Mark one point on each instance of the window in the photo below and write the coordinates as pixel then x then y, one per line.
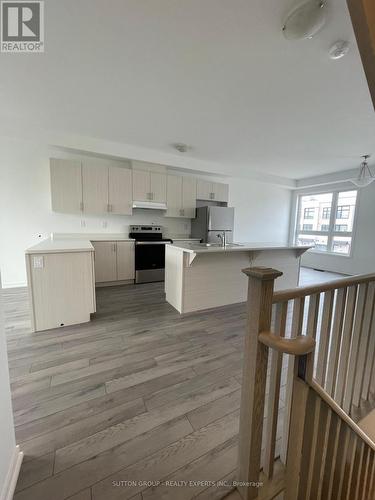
pixel 341 227
pixel 326 213
pixel 327 233
pixel 343 212
pixel 309 213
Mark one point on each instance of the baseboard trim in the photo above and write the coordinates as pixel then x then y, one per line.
pixel 114 283
pixel 12 476
pixel 16 284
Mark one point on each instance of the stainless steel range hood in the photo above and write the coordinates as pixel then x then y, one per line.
pixel 151 205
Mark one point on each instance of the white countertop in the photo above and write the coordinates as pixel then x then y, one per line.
pixel 187 238
pixel 242 247
pixel 60 245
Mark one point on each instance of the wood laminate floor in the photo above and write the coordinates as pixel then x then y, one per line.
pixel 138 396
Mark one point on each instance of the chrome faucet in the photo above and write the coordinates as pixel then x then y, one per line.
pixel 223 238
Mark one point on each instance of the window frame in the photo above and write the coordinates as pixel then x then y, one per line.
pixel 331 233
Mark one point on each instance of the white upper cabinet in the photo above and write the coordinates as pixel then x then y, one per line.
pixel 149 186
pixel 120 200
pixel 181 196
pixel 215 191
pixel 174 195
pixel 158 183
pixel 189 197
pixel 66 185
pixel 220 191
pixel 95 188
pixel 141 185
pixel 204 190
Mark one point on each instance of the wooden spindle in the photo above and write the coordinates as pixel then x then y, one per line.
pixel 297 321
pixel 363 344
pixel 325 331
pixel 334 351
pixel 274 392
pixel 311 330
pixel 352 366
pixel 342 371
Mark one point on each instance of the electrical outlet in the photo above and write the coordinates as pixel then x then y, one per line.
pixel 105 223
pixel 38 262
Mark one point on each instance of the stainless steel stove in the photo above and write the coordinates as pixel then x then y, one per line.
pixel 149 253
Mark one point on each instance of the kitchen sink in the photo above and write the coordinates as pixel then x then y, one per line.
pixel 218 245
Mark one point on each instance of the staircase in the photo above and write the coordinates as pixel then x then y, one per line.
pixel 327 334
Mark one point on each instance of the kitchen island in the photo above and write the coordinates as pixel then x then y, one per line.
pixel 199 277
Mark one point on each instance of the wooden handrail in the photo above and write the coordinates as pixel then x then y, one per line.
pixel 297 346
pixel 340 412
pixel 304 291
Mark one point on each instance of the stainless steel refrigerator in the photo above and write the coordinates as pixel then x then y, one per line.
pixel 210 222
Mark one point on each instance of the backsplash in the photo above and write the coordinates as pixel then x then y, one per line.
pixel 120 224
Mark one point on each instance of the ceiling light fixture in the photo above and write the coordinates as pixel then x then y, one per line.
pixel 339 49
pixel 365 176
pixel 181 147
pixel 305 20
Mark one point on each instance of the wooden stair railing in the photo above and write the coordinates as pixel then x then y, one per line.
pixel 339 318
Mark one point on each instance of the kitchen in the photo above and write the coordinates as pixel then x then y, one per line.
pixel 64 270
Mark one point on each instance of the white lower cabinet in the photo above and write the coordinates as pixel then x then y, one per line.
pixel 105 261
pixel 114 261
pixel 125 260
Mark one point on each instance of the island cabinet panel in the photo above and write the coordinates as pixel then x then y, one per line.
pixel 66 185
pixel 189 197
pixel 125 260
pixel 61 287
pixel 174 196
pixel 105 261
pixel 120 191
pixel 158 184
pixel 95 189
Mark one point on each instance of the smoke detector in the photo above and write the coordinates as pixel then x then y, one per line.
pixel 339 49
pixel 305 20
pixel 181 147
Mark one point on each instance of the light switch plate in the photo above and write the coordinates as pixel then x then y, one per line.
pixel 38 262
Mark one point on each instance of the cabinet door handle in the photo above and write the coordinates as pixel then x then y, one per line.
pixel 108 207
pixel 114 247
pixel 81 206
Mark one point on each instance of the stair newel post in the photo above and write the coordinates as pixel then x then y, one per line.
pixel 259 313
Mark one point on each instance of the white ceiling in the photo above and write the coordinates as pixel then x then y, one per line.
pixel 216 74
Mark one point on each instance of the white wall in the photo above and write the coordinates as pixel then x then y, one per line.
pixel 262 210
pixel 362 259
pixel 8 442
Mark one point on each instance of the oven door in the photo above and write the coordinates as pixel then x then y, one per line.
pixel 149 261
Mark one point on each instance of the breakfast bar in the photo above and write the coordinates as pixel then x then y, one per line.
pixel 199 277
